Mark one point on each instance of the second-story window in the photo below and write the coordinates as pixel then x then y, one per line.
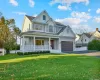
pixel 29 26
pixel 38 27
pixel 50 28
pixel 44 17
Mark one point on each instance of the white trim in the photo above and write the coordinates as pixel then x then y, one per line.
pixel 42 36
pixel 49 43
pixel 23 43
pixel 34 43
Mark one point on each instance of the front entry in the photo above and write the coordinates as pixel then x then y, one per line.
pixel 52 44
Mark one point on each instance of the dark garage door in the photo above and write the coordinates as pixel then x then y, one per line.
pixel 66 46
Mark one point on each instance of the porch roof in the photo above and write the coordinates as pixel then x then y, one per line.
pixel 37 33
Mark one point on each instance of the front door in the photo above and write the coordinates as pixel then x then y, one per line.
pixel 52 44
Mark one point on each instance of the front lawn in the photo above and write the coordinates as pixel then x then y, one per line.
pixel 49 67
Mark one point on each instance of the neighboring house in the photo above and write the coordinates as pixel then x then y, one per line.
pixel 42 33
pixel 83 39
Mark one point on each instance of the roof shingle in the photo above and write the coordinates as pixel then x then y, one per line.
pixel 30 17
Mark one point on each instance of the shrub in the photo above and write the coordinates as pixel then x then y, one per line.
pixel 19 53
pixel 16 47
pixel 30 53
pixel 94 45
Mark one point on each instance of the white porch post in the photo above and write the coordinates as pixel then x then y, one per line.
pixel 23 43
pixel 49 43
pixel 20 43
pixel 34 43
pixel 59 44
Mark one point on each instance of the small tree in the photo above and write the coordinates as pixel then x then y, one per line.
pixel 7 40
pixel 94 45
pixel 9 44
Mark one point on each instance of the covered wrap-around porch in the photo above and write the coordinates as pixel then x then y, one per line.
pixel 39 43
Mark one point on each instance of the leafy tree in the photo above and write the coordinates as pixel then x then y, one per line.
pixel 17 32
pixel 7 39
pixel 94 45
pixel 10 43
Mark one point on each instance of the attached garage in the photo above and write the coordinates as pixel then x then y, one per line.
pixel 66 46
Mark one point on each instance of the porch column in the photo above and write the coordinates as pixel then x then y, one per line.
pixel 59 45
pixel 34 43
pixel 23 43
pixel 49 43
pixel 20 43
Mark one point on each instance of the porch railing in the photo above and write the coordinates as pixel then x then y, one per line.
pixel 29 48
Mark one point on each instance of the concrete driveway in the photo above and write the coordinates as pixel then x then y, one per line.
pixel 92 54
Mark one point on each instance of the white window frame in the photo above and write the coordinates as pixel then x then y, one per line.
pixel 52 29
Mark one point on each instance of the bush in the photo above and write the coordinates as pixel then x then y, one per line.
pixel 16 47
pixel 30 53
pixel 19 53
pixel 94 45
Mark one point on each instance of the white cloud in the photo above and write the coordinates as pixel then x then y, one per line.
pixel 20 13
pixel 13 2
pixel 75 24
pixel 81 15
pixel 97 19
pixel 98 11
pixel 31 3
pixel 68 3
pixel 81 28
pixel 69 21
pixel 34 15
pixel 63 7
pixel 78 21
pixel 89 10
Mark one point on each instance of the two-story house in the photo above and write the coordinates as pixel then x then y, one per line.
pixel 85 38
pixel 42 33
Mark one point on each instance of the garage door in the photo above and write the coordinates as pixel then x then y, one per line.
pixel 66 46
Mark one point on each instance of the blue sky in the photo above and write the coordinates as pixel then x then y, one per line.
pixel 79 14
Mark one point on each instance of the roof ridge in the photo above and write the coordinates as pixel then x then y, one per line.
pixel 30 17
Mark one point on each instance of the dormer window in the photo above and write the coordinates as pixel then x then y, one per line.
pixel 44 17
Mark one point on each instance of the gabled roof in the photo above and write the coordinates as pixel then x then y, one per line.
pixel 35 32
pixel 60 24
pixel 88 35
pixel 30 17
pixel 63 28
pixel 56 23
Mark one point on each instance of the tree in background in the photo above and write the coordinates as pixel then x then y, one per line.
pixel 7 33
pixel 17 32
pixel 94 45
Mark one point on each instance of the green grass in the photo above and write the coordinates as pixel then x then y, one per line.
pixel 49 67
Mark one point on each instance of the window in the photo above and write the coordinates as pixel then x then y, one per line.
pixel 44 17
pixel 29 26
pixel 50 28
pixel 85 40
pixel 37 27
pixel 39 42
